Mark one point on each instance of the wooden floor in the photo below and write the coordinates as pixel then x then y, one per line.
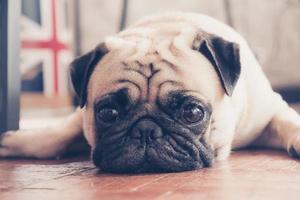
pixel 259 174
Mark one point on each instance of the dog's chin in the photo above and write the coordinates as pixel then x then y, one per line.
pixel 166 154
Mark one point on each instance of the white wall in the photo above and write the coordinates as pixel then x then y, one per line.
pixel 272 27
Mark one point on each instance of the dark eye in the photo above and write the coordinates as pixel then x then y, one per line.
pixel 108 115
pixel 192 113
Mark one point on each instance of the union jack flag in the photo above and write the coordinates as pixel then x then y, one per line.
pixel 46 37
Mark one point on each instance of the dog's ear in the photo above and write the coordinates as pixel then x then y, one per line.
pixel 224 56
pixel 82 68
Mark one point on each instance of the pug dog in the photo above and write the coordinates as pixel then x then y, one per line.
pixel 173 92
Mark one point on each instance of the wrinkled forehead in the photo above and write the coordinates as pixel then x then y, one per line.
pixel 144 82
pixel 151 68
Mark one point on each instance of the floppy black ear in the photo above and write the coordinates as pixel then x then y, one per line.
pixel 225 57
pixel 81 69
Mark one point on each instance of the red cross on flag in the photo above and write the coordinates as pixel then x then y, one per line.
pixel 46 38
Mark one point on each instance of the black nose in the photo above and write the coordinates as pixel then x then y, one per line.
pixel 145 129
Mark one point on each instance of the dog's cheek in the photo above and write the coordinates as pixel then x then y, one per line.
pixel 89 127
pixel 96 156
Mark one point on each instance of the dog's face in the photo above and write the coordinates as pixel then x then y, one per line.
pixel 153 113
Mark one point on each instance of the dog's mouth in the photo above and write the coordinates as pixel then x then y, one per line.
pixel 147 147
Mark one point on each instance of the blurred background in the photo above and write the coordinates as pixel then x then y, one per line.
pixel 53 32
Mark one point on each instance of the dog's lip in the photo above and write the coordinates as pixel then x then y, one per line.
pixel 147 163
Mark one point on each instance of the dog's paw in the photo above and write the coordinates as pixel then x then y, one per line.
pixel 5 148
pixel 222 153
pixel 294 147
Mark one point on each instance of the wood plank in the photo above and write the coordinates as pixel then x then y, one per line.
pixel 40 100
pixel 253 174
pixel 17 174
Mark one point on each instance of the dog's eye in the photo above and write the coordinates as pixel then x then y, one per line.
pixel 108 115
pixel 192 113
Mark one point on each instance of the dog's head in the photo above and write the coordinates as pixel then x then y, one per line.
pixel 151 110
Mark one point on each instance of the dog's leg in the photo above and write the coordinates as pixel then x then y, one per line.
pixel 42 143
pixel 283 131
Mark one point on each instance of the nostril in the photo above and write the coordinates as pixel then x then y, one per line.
pixel 146 128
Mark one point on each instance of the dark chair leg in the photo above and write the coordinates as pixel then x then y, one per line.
pixel 9 64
